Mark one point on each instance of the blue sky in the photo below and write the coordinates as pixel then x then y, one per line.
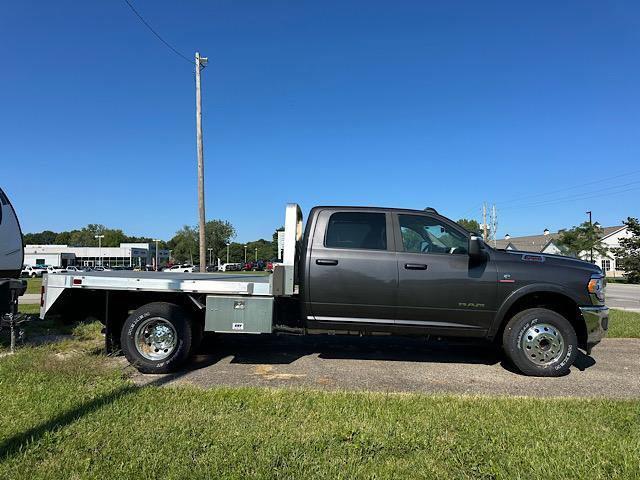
pixel 534 107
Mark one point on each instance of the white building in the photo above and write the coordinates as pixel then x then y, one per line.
pixel 547 243
pixel 611 239
pixel 126 255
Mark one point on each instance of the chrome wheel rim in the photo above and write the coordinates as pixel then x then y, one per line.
pixel 543 344
pixel 155 339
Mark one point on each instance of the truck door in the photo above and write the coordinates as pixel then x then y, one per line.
pixel 439 286
pixel 353 274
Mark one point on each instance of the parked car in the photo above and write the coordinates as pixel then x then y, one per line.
pixel 272 264
pixel 102 269
pixel 212 268
pixel 231 267
pixel 75 268
pixel 32 272
pixel 247 267
pixel 51 269
pixel 185 268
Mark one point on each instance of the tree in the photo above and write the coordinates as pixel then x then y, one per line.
pixel 47 237
pixel 628 254
pixel 113 237
pixel 579 241
pixel 62 238
pixel 471 225
pixel 184 244
pixel 217 234
pixel 265 250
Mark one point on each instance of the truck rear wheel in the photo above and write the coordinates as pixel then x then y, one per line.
pixel 156 338
pixel 540 342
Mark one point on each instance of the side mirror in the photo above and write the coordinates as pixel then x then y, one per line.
pixel 475 247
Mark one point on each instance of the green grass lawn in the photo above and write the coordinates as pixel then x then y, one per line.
pixel 68 412
pixel 624 324
pixel 31 308
pixel 33 285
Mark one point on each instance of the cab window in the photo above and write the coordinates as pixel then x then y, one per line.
pixel 422 234
pixel 361 230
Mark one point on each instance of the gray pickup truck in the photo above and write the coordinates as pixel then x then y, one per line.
pixel 355 270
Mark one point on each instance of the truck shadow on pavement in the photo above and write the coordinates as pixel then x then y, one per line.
pixel 286 349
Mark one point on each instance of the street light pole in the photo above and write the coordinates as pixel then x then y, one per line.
pixel 100 237
pixel 228 252
pixel 156 253
pixel 210 250
pixel 256 254
pixel 245 254
pixel 591 228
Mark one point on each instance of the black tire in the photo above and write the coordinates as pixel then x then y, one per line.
pixel 530 354
pixel 167 315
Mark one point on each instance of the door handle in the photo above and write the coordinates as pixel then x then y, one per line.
pixel 415 266
pixel 326 261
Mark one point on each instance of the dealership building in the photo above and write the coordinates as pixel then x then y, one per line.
pixel 126 255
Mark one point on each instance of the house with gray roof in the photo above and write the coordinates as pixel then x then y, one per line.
pixel 547 243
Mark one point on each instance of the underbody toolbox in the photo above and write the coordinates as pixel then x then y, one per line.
pixel 239 314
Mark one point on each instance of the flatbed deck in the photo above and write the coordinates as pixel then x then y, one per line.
pixel 211 283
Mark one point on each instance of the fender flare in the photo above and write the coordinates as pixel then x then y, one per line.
pixel 523 291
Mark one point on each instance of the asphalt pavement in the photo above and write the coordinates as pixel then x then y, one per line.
pixel 29 299
pixel 400 364
pixel 623 296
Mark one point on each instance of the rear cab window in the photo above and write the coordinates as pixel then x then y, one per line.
pixel 357 230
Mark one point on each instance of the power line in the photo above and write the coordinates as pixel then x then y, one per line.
pixel 563 189
pixel 156 33
pixel 569 197
pixel 515 203
pixel 554 202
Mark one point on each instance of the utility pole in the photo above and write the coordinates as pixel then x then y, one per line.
pixel 201 62
pixel 210 250
pixel 484 221
pixel 494 224
pixel 591 228
pixel 157 241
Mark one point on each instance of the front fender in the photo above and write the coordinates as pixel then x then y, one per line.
pixel 521 292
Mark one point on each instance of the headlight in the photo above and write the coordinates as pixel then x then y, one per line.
pixel 597 286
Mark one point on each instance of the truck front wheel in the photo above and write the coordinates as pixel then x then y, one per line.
pixel 156 338
pixel 540 342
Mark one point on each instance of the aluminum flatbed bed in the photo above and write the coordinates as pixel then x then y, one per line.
pixel 207 283
pixel 196 287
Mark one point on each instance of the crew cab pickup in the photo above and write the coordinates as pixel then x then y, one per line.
pixel 356 270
